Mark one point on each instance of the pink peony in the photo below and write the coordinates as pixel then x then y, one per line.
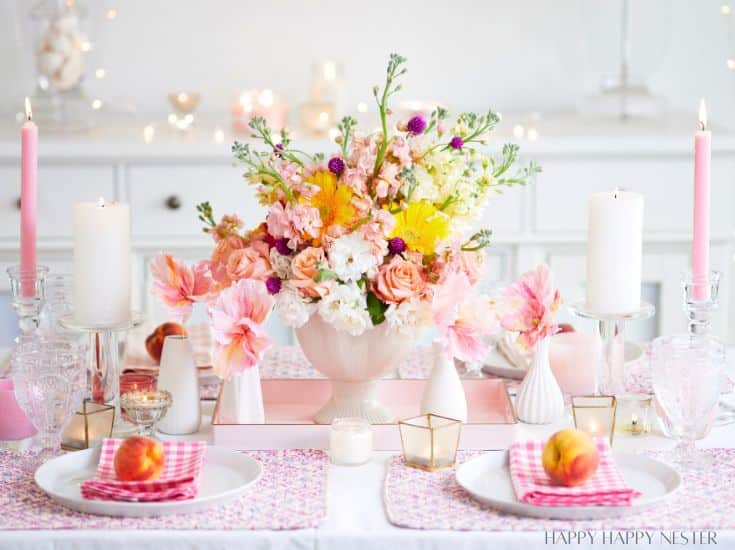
pixel 237 326
pixel 463 318
pixel 179 286
pixel 251 262
pixel 398 281
pixel 304 268
pixel 529 305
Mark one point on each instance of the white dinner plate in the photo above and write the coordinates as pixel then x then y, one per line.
pixel 487 478
pixel 226 475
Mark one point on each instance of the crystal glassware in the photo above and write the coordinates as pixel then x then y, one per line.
pixel 686 373
pixel 48 376
pixel 57 303
pixel 145 408
pixel 28 292
pixel 701 299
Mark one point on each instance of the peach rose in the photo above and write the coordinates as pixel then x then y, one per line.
pixel 304 268
pixel 225 247
pixel 397 281
pixel 251 262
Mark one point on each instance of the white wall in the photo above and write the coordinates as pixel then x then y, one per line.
pixel 513 55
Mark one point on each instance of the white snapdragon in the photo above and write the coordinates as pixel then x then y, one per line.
pixel 292 308
pixel 345 309
pixel 350 256
pixel 407 316
pixel 280 263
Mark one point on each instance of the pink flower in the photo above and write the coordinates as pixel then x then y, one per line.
pixel 237 326
pixel 251 262
pixel 529 305
pixel 463 318
pixel 293 223
pixel 225 247
pixel 304 267
pixel 398 281
pixel 227 226
pixel 179 286
pixel 401 150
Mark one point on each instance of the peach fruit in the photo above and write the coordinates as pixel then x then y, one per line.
pixel 570 457
pixel 154 342
pixel 139 458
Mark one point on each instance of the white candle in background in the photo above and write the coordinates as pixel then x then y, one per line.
pixel 614 243
pixel 101 263
pixel 350 441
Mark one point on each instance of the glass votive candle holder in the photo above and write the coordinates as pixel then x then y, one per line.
pixel 430 441
pixel 633 415
pixel 350 441
pixel 88 427
pixel 595 414
pixel 145 408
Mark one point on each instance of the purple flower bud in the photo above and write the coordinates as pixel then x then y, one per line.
pixel 279 146
pixel 416 125
pixel 396 245
pixel 273 284
pixel 456 143
pixel 282 246
pixel 336 165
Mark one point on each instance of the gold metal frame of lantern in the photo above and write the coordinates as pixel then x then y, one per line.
pixel 443 441
pixel 605 404
pixel 88 426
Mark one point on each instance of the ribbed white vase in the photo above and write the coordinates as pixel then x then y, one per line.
pixel 540 400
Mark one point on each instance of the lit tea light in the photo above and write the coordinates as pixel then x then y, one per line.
pixel 429 441
pixel 258 103
pixel 100 73
pixel 633 414
pixel 218 135
pixel 97 104
pixel 149 132
pixel 595 414
pixel 519 131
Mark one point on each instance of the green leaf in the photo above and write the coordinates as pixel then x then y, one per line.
pixel 325 275
pixel 376 308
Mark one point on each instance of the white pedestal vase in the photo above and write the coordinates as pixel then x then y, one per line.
pixel 178 375
pixel 354 364
pixel 540 400
pixel 241 399
pixel 444 394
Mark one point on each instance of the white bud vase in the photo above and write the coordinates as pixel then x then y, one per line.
pixel 241 399
pixel 539 399
pixel 178 375
pixel 444 394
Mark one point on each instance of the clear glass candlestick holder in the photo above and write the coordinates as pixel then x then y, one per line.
pixel 701 300
pixel 28 293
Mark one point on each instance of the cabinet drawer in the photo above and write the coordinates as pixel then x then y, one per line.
pixel 564 188
pixel 163 198
pixel 59 187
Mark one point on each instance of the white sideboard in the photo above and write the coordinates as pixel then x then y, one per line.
pixel 163 180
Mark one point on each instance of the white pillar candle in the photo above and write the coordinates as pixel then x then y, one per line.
pixel 614 243
pixel 102 263
pixel 350 441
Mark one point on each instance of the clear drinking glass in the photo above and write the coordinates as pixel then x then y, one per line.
pixel 686 380
pixel 48 377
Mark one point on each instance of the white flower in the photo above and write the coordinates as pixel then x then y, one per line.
pixel 280 263
pixel 292 308
pixel 345 309
pixel 407 316
pixel 351 256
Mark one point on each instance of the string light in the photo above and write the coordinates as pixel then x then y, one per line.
pixel 731 64
pixel 100 73
pixel 148 133
pixel 111 14
pixel 218 135
pixel 97 104
pixel 532 134
pixel 85 46
pixel 518 131
pixel 725 9
pixel 362 107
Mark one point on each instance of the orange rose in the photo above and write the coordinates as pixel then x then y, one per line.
pixel 397 281
pixel 304 268
pixel 251 262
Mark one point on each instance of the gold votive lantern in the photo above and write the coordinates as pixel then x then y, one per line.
pixel 595 414
pixel 430 441
pixel 633 416
pixel 88 426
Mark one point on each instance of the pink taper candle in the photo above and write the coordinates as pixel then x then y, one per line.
pixel 28 194
pixel 700 242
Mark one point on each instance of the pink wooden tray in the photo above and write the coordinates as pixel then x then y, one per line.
pixel 290 406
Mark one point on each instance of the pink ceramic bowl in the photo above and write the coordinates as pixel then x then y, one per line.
pixel 14 424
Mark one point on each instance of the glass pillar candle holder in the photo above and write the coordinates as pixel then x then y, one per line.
pixel 88 427
pixel 633 414
pixel 350 441
pixel 430 441
pixel 595 414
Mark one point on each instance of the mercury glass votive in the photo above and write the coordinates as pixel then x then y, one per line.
pixel 633 414
pixel 145 408
pixel 430 441
pixel 595 414
pixel 88 427
pixel 350 441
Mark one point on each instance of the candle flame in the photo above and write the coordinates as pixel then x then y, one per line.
pixel 29 112
pixel 702 114
pixel 101 202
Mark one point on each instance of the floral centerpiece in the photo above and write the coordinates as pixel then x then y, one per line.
pixel 359 248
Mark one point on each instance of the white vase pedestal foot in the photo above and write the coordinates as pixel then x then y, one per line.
pixel 354 399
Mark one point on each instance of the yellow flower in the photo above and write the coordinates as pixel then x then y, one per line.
pixel 332 200
pixel 420 226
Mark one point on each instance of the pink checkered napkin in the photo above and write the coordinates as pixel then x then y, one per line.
pixel 532 485
pixel 179 480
